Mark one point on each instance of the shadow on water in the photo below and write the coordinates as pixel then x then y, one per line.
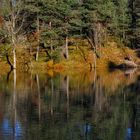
pixel 78 105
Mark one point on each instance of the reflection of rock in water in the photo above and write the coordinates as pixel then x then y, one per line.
pixel 130 72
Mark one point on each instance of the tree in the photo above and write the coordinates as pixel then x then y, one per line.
pixel 49 18
pixel 64 11
pixel 62 20
pixel 34 10
pixel 134 9
pixel 13 18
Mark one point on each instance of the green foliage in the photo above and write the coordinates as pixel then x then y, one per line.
pixel 96 19
pixel 134 9
pixel 56 56
pixel 74 17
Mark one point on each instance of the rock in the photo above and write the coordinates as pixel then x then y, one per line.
pixel 128 64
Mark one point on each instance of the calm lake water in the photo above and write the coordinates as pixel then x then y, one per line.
pixel 74 106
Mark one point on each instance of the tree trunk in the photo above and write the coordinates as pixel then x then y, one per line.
pixel 14 51
pixel 66 48
pixel 38 38
pixel 13 40
pixel 95 61
pixel 14 58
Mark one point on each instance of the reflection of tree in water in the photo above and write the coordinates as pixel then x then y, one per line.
pixel 133 95
pixel 11 127
pixel 60 108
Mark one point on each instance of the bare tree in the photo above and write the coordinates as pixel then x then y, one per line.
pixel 13 18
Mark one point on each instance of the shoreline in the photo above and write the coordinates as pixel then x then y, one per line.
pixel 111 53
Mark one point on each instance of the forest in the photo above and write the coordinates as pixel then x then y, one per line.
pixel 69 69
pixel 68 32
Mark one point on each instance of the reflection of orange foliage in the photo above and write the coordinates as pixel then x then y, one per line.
pixel 58 67
pixel 50 73
pixel 114 80
pixel 81 79
pixel 111 81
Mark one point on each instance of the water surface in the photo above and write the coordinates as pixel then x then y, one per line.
pixel 75 106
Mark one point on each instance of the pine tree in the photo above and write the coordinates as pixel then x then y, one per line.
pixel 63 20
pixel 33 8
pixel 135 22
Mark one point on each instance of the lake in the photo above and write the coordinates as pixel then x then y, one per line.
pixel 81 105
